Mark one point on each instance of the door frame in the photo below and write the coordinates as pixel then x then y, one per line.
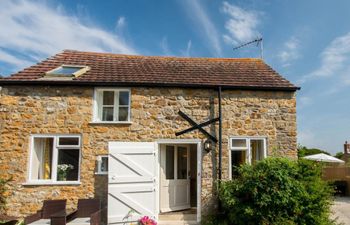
pixel 199 144
pixel 161 179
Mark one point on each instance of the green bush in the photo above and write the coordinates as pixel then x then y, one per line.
pixel 276 191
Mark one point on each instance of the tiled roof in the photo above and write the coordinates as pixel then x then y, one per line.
pixel 158 71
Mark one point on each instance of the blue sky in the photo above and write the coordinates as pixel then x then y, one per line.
pixel 308 42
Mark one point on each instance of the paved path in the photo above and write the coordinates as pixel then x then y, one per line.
pixel 341 210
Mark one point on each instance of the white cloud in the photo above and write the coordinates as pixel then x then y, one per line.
pixel 346 75
pixel 187 51
pixel 203 23
pixel 15 61
pixel 334 59
pixel 241 25
pixel 121 22
pixel 290 51
pixel 36 30
pixel 165 47
pixel 120 25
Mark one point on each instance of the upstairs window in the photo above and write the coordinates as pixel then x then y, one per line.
pixel 112 105
pixel 68 71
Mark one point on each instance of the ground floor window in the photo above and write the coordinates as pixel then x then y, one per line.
pixel 55 158
pixel 246 150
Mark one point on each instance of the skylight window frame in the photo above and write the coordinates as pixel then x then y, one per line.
pixel 82 69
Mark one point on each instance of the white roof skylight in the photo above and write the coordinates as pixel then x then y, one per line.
pixel 67 71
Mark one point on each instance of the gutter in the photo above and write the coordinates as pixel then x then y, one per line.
pixel 160 85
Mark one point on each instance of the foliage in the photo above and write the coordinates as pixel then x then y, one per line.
pixel 276 191
pixel 63 170
pixel 145 220
pixel 339 155
pixel 3 192
pixel 304 151
pixel 215 220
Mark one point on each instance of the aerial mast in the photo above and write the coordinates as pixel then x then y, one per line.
pixel 258 41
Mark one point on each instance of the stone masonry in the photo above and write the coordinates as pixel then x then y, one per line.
pixel 26 110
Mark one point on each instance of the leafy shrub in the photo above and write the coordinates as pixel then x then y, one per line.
pixel 276 191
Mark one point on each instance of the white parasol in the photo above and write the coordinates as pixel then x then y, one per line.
pixel 323 158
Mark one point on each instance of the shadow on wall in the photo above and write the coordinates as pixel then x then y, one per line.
pixel 101 192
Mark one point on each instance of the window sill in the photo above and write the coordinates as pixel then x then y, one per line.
pixel 114 122
pixel 101 173
pixel 51 183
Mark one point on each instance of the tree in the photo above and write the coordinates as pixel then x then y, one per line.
pixel 304 151
pixel 339 155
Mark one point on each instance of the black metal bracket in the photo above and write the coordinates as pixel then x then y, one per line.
pixel 196 126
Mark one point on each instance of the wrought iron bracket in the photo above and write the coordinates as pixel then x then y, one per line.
pixel 196 126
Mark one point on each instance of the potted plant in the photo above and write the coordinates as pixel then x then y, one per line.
pixel 63 170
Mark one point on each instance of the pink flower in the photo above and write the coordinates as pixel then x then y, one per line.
pixel 147 221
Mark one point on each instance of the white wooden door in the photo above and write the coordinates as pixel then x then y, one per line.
pixel 174 176
pixel 131 181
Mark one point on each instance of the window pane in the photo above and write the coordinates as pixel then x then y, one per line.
pixel 68 165
pixel 66 70
pixel 238 143
pixel 107 114
pixel 104 164
pixel 42 159
pixel 124 98
pixel 182 163
pixel 257 150
pixel 108 98
pixel 68 141
pixel 123 113
pixel 169 162
pixel 237 158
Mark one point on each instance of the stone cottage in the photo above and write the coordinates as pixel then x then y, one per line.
pixel 134 131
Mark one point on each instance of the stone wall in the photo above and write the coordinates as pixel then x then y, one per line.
pixel 68 110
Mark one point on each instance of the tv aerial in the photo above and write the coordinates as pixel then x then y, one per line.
pixel 258 41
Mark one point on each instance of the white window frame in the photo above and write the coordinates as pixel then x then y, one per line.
pixel 56 147
pixel 99 165
pixel 82 69
pixel 98 105
pixel 247 149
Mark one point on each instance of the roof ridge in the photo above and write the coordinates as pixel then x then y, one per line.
pixel 161 57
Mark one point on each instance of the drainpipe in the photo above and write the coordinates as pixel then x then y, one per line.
pixel 220 146
pixel 220 134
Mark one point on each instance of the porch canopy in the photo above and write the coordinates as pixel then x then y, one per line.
pixel 323 158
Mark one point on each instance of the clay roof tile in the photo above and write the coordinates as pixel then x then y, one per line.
pixel 160 70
